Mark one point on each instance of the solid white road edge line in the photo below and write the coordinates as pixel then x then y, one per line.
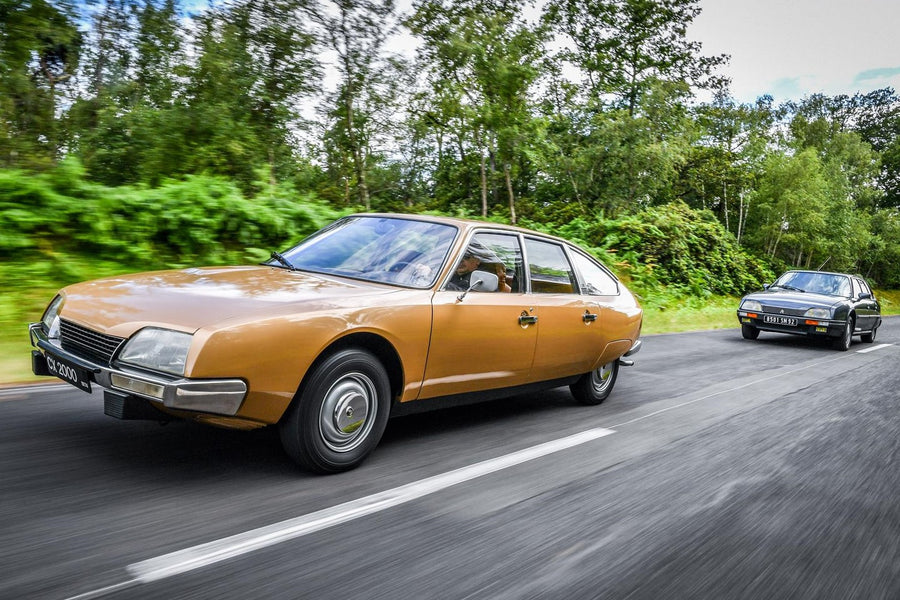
pixel 196 557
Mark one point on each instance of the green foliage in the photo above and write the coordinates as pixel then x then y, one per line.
pixel 677 247
pixel 201 219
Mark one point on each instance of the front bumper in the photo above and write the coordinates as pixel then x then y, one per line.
pixel 215 396
pixel 779 323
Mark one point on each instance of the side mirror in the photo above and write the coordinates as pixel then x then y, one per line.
pixel 865 296
pixel 482 281
pixel 766 286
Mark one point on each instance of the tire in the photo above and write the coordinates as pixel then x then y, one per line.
pixel 594 387
pixel 868 338
pixel 339 414
pixel 749 332
pixel 843 343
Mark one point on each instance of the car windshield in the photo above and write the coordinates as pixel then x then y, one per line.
pixel 829 284
pixel 381 249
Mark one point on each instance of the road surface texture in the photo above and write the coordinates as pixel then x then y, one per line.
pixel 718 468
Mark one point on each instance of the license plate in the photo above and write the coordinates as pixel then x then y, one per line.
pixel 71 373
pixel 780 320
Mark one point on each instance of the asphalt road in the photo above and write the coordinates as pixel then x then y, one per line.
pixel 718 468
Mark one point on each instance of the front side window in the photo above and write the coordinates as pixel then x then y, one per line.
pixel 497 253
pixel 549 268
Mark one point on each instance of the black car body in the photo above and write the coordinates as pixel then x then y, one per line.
pixel 813 303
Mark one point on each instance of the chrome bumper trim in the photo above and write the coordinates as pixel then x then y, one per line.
pixel 635 348
pixel 216 396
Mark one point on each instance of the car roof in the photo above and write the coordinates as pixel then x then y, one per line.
pixel 466 225
pixel 823 273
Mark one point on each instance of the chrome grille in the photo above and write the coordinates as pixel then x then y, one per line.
pixel 88 343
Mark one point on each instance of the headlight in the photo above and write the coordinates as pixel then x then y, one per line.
pixel 753 305
pixel 50 320
pixel 818 313
pixel 157 349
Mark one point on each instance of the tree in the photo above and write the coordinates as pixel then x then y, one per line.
pixel 726 159
pixel 791 217
pixel 624 46
pixel 639 69
pixel 253 70
pixel 356 31
pixel 482 59
pixel 39 50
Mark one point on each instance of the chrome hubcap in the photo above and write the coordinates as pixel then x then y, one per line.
pixel 601 378
pixel 348 412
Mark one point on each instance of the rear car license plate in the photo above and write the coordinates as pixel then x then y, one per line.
pixel 780 320
pixel 71 373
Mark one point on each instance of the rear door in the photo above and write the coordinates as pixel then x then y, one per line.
pixel 569 328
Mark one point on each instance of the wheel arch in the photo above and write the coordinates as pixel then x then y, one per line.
pixel 380 347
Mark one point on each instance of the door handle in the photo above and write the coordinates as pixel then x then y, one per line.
pixel 588 317
pixel 526 319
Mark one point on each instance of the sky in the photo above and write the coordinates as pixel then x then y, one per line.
pixel 794 48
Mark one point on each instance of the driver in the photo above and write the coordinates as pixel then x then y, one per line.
pixel 471 260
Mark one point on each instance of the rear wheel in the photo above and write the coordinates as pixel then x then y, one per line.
pixel 868 338
pixel 594 387
pixel 340 413
pixel 843 343
pixel 749 332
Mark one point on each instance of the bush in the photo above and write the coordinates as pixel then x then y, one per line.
pixel 674 245
pixel 200 219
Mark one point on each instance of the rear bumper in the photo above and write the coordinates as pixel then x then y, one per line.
pixel 215 396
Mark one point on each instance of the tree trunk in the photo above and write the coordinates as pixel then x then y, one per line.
pixel 359 163
pixel 483 186
pixel 512 196
pixel 725 204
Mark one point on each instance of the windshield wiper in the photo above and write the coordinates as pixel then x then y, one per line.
pixel 788 287
pixel 280 258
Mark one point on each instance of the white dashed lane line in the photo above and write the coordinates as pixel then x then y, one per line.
pixel 874 348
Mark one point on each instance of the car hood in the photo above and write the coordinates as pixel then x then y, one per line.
pixel 190 299
pixel 796 300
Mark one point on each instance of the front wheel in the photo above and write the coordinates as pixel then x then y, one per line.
pixel 594 387
pixel 843 343
pixel 749 331
pixel 340 413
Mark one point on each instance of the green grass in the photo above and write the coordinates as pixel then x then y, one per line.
pixel 28 289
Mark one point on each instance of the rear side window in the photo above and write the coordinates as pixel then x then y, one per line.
pixel 864 287
pixel 595 281
pixel 550 270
